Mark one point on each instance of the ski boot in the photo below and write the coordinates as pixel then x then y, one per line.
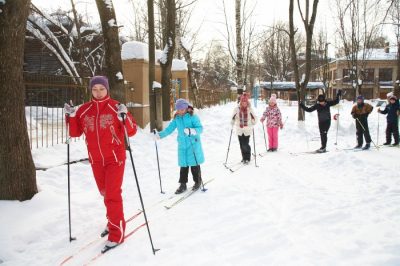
pixel 105 232
pixel 182 188
pixel 109 245
pixel 367 146
pixel 197 185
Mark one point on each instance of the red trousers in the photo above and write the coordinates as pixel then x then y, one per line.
pixel 109 181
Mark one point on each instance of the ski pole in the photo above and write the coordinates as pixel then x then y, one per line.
pixel 377 133
pixel 265 139
pixel 337 125
pixel 158 164
pixel 229 145
pixel 254 146
pixel 137 184
pixel 68 174
pixel 195 159
pixel 358 120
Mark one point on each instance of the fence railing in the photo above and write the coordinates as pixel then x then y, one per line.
pixel 45 96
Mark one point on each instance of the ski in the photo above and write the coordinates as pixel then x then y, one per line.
pixel 306 152
pixel 126 237
pixel 185 196
pixel 232 165
pixel 96 240
pixel 237 167
pixel 51 167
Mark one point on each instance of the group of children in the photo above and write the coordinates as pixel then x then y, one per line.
pixel 105 122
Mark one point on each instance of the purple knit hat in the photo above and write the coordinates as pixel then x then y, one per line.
pixel 99 80
pixel 360 97
pixel 181 104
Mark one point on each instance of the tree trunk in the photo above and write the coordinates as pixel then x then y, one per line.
pixel 152 68
pixel 166 63
pixel 292 32
pixel 397 84
pixel 17 174
pixel 239 58
pixel 112 49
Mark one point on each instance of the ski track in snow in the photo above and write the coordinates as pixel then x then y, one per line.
pixel 337 208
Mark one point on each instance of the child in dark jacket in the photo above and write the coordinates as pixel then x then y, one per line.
pixel 392 110
pixel 324 116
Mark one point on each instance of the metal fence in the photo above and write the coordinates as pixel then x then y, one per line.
pixel 45 96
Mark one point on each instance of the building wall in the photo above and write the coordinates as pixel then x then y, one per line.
pixel 136 74
pixel 369 89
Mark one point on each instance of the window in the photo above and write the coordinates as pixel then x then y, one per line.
pixel 385 74
pixel 368 75
pixel 347 75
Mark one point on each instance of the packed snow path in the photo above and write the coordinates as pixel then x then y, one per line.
pixel 338 208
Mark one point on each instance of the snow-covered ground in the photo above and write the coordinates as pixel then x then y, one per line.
pixel 338 208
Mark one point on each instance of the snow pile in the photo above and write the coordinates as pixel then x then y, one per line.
pixel 337 208
pixel 179 65
pixel 156 85
pixel 119 76
pixel 112 23
pixel 185 44
pixel 135 50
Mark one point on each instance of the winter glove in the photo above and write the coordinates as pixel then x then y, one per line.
pixel 122 111
pixel 70 110
pixel 190 131
pixel 354 116
pixel 339 93
pixel 156 136
pixel 281 126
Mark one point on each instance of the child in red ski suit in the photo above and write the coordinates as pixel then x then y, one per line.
pixel 274 122
pixel 101 122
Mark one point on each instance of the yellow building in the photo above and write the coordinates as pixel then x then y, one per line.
pixel 376 75
pixel 135 63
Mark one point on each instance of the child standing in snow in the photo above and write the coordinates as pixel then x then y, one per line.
pixel 274 122
pixel 360 113
pixel 101 122
pixel 244 119
pixel 392 111
pixel 323 108
pixel 190 152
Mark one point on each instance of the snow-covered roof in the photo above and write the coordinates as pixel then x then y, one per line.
pixel 179 65
pixel 283 85
pixel 139 50
pixel 375 54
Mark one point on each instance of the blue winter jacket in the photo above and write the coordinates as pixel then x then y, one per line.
pixel 190 152
pixel 391 111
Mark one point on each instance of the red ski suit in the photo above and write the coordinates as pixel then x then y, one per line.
pixel 104 134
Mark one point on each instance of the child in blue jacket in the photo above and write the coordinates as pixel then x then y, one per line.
pixel 190 152
pixel 392 110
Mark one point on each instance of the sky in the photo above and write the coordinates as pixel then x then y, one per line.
pixel 209 16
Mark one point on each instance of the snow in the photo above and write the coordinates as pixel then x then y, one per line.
pixel 375 54
pixel 108 3
pixel 112 23
pixel 338 208
pixel 179 65
pixel 119 76
pixel 156 85
pixel 185 44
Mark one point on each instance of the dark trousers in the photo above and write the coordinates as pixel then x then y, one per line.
pixel 245 147
pixel 392 128
pixel 362 130
pixel 323 132
pixel 196 173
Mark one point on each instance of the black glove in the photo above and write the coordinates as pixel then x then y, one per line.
pixel 339 93
pixel 355 116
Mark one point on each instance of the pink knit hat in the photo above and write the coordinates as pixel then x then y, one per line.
pixel 273 98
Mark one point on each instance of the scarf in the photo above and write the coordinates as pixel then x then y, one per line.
pixel 243 115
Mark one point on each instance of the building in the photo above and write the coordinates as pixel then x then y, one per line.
pixel 135 64
pixel 377 74
pixel 287 90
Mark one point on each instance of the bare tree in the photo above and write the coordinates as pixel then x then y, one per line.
pixel 308 23
pixel 167 57
pixel 140 20
pixel 394 19
pixel 17 175
pixel 112 48
pixel 357 29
